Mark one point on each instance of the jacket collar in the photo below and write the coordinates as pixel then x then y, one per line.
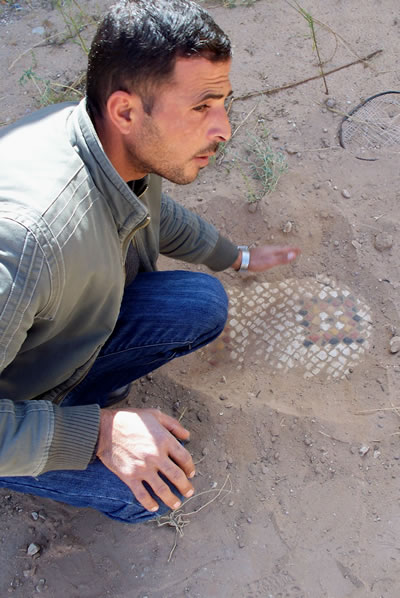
pixel 126 207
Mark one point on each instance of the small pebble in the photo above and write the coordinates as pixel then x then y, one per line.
pixel 383 241
pixel 330 102
pixel 395 344
pixel 33 549
pixel 41 586
pixel 356 244
pixel 363 450
pixel 346 194
pixel 252 207
pixel 38 30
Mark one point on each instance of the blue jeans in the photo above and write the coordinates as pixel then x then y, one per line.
pixel 163 315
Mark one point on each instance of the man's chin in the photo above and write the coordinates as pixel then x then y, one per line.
pixel 183 178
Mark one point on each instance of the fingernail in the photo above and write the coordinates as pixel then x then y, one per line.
pixel 291 255
pixel 192 474
pixel 153 509
pixel 177 504
pixel 189 493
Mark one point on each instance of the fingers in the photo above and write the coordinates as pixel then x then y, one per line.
pixel 263 258
pixel 161 489
pixel 287 254
pixel 183 459
pixel 173 426
pixel 143 496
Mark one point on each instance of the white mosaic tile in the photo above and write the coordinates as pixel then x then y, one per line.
pixel 320 340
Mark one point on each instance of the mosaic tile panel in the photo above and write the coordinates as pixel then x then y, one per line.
pixel 310 324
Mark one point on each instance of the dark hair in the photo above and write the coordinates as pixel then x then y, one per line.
pixel 138 42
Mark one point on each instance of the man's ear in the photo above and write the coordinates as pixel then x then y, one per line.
pixel 123 109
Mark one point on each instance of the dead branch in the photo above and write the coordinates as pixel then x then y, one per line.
pixel 297 83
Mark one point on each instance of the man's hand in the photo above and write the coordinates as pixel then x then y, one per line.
pixel 137 445
pixel 268 256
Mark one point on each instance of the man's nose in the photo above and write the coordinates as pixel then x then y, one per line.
pixel 221 128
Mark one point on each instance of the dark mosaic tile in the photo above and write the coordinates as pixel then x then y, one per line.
pixel 357 318
pixel 303 312
pixel 360 340
pixel 347 340
pixel 307 343
pixel 305 323
pixel 334 341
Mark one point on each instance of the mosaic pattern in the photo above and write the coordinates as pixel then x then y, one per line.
pixel 310 324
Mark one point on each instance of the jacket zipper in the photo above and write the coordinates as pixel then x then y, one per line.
pixel 129 238
pixel 141 225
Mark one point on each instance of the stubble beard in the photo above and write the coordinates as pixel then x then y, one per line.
pixel 160 163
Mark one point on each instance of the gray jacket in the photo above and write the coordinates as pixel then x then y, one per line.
pixel 66 221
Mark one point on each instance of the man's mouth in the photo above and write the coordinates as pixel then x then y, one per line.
pixel 203 160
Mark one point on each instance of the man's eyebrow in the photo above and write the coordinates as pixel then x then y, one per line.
pixel 213 96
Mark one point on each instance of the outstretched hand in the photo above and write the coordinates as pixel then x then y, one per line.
pixel 268 256
pixel 137 445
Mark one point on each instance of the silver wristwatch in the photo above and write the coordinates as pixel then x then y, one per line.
pixel 245 257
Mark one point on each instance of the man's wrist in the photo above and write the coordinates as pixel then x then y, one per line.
pixel 242 262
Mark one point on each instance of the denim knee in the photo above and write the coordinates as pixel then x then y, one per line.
pixel 212 303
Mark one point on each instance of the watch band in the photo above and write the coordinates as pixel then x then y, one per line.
pixel 245 257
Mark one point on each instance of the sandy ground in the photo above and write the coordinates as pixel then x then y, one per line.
pixel 298 450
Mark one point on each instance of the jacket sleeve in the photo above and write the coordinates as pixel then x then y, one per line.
pixel 35 435
pixel 186 236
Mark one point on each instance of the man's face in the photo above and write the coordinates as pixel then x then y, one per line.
pixel 186 125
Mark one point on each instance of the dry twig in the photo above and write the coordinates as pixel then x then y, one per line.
pixel 179 519
pixel 313 78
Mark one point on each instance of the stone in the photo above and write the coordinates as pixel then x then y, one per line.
pixel 383 241
pixel 252 207
pixel 33 549
pixel 363 450
pixel 41 586
pixel 330 102
pixel 38 30
pixel 356 244
pixel 287 227
pixel 346 194
pixel 395 344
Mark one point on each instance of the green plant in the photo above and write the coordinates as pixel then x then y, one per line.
pixel 266 167
pixel 76 20
pixel 49 92
pixel 311 23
